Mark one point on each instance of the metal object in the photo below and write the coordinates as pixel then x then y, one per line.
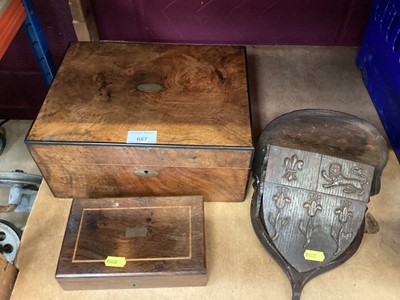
pixel 17 13
pixel 150 87
pixel 38 42
pixel 23 190
pixel 314 171
pixel 145 173
pixel 10 238
pixel 133 232
pixel 12 14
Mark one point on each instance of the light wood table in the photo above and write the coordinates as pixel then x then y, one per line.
pixel 282 79
pixel 238 266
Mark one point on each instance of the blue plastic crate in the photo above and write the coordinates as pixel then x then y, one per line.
pixel 379 62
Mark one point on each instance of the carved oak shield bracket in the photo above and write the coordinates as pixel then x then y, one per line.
pixel 308 207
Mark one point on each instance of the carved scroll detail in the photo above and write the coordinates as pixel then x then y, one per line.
pixel 292 165
pixel 278 222
pixel 335 177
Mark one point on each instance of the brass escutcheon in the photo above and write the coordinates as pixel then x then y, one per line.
pixel 150 87
pixel 146 173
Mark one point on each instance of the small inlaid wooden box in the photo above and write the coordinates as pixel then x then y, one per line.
pixel 161 241
pixel 123 119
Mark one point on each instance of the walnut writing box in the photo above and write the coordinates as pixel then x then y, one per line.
pixel 123 119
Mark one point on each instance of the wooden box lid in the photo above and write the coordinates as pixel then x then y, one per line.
pixel 189 95
pixel 160 239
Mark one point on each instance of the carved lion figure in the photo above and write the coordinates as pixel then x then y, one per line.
pixel 335 177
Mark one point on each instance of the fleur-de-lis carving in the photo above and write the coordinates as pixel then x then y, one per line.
pixel 312 205
pixel 343 214
pixel 292 165
pixel 281 198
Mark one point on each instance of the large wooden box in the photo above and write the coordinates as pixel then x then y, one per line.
pixel 161 241
pixel 124 119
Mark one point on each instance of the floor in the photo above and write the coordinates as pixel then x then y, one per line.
pixel 282 79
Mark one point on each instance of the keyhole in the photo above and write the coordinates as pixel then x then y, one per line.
pixel 146 172
pixel 8 248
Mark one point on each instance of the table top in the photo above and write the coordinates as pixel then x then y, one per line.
pixel 238 265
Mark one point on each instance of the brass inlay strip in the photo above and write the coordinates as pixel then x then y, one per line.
pixel 78 235
pixel 133 259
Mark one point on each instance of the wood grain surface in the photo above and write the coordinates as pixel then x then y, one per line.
pixel 95 171
pixel 215 184
pixel 150 156
pixel 171 252
pixel 95 96
pixel 8 275
pixel 326 132
pixel 201 116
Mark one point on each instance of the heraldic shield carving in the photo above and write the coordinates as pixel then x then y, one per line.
pixel 308 207
pixel 313 205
